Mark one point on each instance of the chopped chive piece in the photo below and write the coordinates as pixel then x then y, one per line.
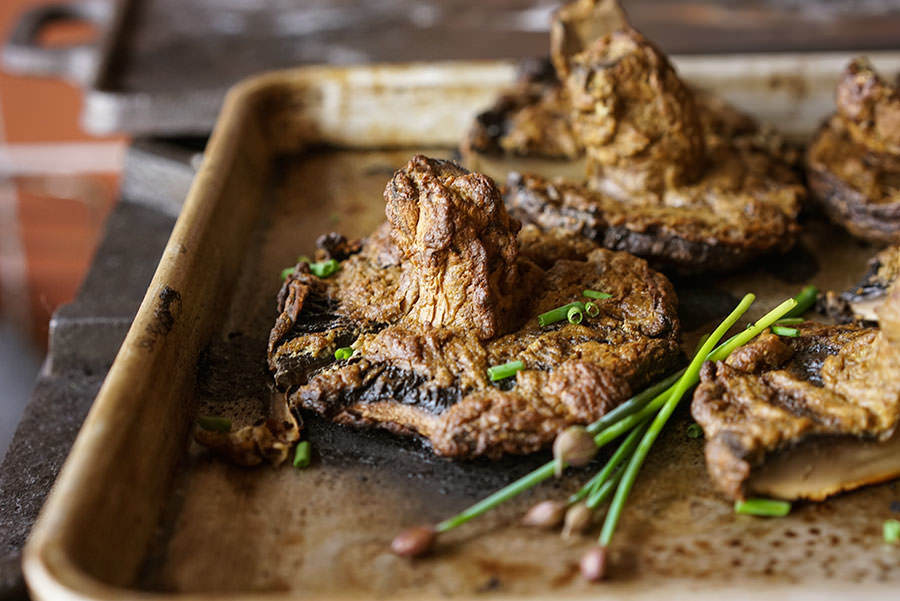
pixel 790 321
pixel 597 295
pixel 591 309
pixel 891 530
pixel 694 431
pixel 499 372
pixel 323 269
pixel 763 507
pixel 345 352
pixel 302 454
pixel 575 315
pixel 805 300
pixel 304 259
pixel 286 273
pixel 213 423
pixel 557 314
pixel 785 331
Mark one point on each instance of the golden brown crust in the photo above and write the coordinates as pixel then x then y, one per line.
pixel 424 376
pixel 776 393
pixel 853 164
pixel 634 116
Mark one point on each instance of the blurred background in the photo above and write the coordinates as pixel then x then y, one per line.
pixel 93 97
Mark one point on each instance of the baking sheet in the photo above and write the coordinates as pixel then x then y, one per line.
pixel 139 510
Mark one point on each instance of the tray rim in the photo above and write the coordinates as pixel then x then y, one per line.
pixel 51 573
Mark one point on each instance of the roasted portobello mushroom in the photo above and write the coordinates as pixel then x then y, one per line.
pixel 853 164
pixel 805 417
pixel 445 289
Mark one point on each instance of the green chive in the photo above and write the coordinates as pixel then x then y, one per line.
pixel 785 331
pixel 691 377
pixel 323 269
pixel 597 295
pixel 286 273
pixel 694 431
pixel 805 300
pixel 623 452
pixel 790 321
pixel 345 352
pixel 591 309
pixel 603 491
pixel 304 259
pixel 499 372
pixel 620 420
pixel 763 507
pixel 302 454
pixel 891 530
pixel 214 424
pixel 557 314
pixel 574 315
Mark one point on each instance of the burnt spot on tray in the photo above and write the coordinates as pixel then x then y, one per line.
pixel 168 307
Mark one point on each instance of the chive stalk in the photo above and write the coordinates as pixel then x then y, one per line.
pixel 690 378
pixel 574 315
pixel 623 452
pixel 500 372
pixel 785 331
pixel 891 531
pixel 286 273
pixel 214 424
pixel 805 300
pixel 789 321
pixel 603 492
pixel 596 295
pixel 323 269
pixel 763 507
pixel 302 454
pixel 623 418
pixel 557 314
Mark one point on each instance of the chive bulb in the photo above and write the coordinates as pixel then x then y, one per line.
pixel 414 541
pixel 593 564
pixel 573 446
pixel 546 514
pixel 578 519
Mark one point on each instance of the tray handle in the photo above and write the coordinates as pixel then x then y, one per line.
pixel 23 54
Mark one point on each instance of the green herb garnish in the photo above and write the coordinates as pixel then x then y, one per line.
pixel 763 507
pixel 302 454
pixel 500 372
pixel 891 531
pixel 345 352
pixel 286 273
pixel 595 294
pixel 790 321
pixel 694 431
pixel 575 315
pixel 323 269
pixel 557 314
pixel 592 309
pixel 785 331
pixel 805 300
pixel 214 424
pixel 631 417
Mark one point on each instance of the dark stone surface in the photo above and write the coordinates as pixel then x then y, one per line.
pixel 85 336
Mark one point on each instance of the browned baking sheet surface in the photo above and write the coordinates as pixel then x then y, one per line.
pixel 198 346
pixel 326 529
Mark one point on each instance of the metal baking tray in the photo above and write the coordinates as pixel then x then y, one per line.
pixel 162 67
pixel 141 512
